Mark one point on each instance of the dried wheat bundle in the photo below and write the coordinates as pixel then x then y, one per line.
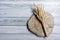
pixel 40 23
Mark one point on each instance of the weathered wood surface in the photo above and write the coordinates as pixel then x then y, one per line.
pixel 14 16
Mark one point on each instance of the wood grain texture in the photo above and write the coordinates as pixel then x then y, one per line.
pixel 22 29
pixel 14 16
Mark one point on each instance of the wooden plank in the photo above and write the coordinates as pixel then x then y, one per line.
pixel 15 11
pixel 27 37
pixel 22 29
pixel 13 21
pixel 13 29
pixel 21 21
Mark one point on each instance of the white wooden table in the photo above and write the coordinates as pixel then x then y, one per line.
pixel 14 16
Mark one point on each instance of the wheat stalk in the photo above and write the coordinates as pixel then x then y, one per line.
pixel 39 12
